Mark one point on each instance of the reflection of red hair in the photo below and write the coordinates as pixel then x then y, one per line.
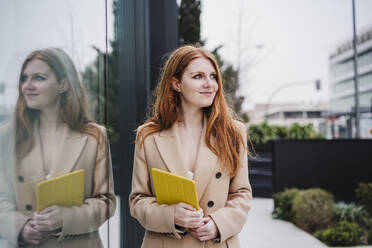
pixel 167 109
pixel 73 110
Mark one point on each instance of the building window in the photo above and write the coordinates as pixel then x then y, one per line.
pixel 313 114
pixel 292 114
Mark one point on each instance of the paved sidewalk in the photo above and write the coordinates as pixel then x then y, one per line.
pixel 262 231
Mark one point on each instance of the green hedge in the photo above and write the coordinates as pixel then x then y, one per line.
pixel 313 209
pixel 283 202
pixel 340 224
pixel 352 213
pixel 343 233
pixel 364 195
pixel 262 133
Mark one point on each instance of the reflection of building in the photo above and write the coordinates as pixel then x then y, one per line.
pixel 342 85
pixel 4 113
pixel 288 113
pixel 341 73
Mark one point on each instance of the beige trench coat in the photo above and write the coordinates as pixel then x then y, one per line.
pixel 80 223
pixel 225 199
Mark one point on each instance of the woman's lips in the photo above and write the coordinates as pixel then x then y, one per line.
pixel 207 93
pixel 31 95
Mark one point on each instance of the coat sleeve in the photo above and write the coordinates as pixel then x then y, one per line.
pixel 231 218
pixel 12 221
pixel 143 206
pixel 96 209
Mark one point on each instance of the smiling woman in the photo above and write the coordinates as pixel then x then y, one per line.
pixel 192 133
pixel 40 86
pixel 199 79
pixel 53 136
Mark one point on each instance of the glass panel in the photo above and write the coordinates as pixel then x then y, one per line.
pixel 52 96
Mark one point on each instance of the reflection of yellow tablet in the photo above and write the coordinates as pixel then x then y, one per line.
pixel 172 189
pixel 66 190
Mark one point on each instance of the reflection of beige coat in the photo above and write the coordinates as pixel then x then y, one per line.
pixel 80 223
pixel 226 200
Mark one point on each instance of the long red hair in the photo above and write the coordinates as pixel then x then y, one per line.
pixel 228 141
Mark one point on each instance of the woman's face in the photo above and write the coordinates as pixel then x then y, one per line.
pixel 198 84
pixel 39 85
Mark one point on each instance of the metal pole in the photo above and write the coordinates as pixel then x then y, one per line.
pixel 357 111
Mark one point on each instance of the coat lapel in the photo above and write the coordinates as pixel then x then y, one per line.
pixel 205 164
pixel 169 149
pixel 68 151
pixel 31 166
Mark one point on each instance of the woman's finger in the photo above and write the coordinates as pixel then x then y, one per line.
pixel 187 206
pixel 48 210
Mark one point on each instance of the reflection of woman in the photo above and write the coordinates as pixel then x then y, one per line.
pixel 192 134
pixel 54 136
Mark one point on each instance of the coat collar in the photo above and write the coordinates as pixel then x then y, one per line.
pixel 170 148
pixel 67 151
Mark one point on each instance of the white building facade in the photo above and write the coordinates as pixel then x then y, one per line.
pixel 341 65
pixel 342 91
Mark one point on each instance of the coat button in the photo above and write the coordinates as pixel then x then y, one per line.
pixel 210 204
pixel 28 207
pixel 218 174
pixel 20 178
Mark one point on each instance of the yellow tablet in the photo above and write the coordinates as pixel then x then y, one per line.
pixel 66 190
pixel 171 188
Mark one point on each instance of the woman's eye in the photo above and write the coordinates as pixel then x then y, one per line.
pixel 197 76
pixel 23 79
pixel 39 78
pixel 214 76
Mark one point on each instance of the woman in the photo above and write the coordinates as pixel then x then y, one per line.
pixel 192 133
pixel 54 136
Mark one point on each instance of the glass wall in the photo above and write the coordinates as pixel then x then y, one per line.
pixel 346 66
pixel 56 106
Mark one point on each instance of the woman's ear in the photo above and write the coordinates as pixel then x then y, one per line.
pixel 176 84
pixel 63 86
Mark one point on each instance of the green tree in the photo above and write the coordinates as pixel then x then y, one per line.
pixel 94 79
pixel 231 84
pixel 189 22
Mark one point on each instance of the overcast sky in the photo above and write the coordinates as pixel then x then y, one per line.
pixel 27 25
pixel 297 37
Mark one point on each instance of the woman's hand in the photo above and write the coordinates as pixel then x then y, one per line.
pixel 205 232
pixel 187 216
pixel 48 219
pixel 32 236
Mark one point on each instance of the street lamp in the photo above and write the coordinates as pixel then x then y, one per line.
pixel 317 83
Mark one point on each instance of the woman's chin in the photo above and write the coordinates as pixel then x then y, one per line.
pixel 33 106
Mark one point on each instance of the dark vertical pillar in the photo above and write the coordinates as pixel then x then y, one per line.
pixel 147 30
pixel 163 34
pixel 134 87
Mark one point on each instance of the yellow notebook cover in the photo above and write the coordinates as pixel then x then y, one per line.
pixel 172 189
pixel 66 190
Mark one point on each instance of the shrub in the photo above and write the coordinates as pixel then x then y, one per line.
pixel 364 195
pixel 283 202
pixel 313 209
pixel 262 133
pixel 352 213
pixel 369 235
pixel 343 233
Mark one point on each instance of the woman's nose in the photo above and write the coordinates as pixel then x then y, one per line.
pixel 27 84
pixel 208 82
